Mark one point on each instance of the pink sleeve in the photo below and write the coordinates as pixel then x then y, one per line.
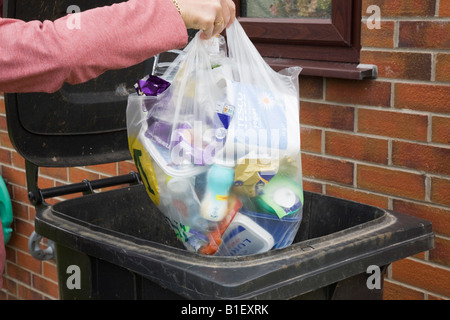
pixel 41 56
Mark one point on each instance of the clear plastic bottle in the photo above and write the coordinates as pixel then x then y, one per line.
pixel 184 203
pixel 218 185
pixel 217 49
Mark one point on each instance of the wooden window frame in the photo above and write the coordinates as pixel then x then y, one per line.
pixel 323 47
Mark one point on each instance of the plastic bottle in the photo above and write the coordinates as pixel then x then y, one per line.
pixel 216 47
pixel 218 185
pixel 184 202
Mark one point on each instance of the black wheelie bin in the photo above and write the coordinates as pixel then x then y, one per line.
pixel 117 242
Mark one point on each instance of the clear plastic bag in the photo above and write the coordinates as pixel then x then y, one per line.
pixel 219 150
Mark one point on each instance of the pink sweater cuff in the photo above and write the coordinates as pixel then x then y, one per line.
pixel 41 56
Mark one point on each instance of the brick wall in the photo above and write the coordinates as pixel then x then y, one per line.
pixel 412 52
pixel 387 142
pixel 383 142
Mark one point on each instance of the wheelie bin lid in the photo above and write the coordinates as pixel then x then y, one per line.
pixel 78 125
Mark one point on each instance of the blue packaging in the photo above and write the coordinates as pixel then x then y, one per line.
pixel 282 230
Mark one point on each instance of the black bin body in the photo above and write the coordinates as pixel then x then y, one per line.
pixel 121 244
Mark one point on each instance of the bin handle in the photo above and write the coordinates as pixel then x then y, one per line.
pixel 37 252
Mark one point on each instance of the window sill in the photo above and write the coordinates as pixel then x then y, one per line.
pixel 327 69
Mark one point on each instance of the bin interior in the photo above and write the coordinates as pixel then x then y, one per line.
pixel 130 213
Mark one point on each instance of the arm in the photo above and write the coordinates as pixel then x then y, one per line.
pixel 41 56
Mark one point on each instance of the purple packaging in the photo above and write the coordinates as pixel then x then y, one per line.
pixel 151 86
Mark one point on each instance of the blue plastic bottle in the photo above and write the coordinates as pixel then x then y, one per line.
pixel 218 185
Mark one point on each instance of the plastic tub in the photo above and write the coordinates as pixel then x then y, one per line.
pixel 282 230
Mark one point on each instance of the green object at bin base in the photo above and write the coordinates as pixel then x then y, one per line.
pixel 6 215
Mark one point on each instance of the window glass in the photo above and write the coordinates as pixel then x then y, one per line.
pixel 293 9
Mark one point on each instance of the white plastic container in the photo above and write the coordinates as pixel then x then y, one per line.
pixel 244 237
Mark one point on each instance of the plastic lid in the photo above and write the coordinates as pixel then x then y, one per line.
pixel 285 197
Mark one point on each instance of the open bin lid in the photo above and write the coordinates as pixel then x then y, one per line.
pixel 78 125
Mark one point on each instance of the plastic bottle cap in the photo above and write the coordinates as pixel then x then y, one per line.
pixel 285 197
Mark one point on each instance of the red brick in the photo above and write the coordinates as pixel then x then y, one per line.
pixel 327 169
pixel 391 182
pixel 444 9
pixel 441 130
pixel 44 182
pixel 9 291
pixel 312 186
pixel 5 141
pixel 439 217
pixel 45 286
pixel 126 167
pixel 421 157
pixel 17 160
pixel 373 93
pixel 402 8
pixel 106 168
pixel 20 210
pixel 432 98
pixel 441 252
pixel 3 123
pixel 19 242
pixel 357 196
pixel 26 293
pixel 311 87
pixel 49 270
pixel 378 38
pixel 422 275
pixel 21 194
pixel 18 272
pixel 11 253
pixel 31 212
pixel 5 156
pixel 432 297
pixel 2 104
pixel 356 147
pixel 399 65
pixel 15 176
pixel 28 262
pixel 24 228
pixel 393 124
pixel 311 139
pixel 424 34
pixel 57 173
pixel 393 291
pixel 440 191
pixel 443 67
pixel 78 174
pixel 328 116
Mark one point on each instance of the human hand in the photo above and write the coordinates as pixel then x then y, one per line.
pixel 210 16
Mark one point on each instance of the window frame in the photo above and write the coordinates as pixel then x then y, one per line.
pixel 323 47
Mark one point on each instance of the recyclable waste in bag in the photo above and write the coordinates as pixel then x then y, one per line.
pixel 216 140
